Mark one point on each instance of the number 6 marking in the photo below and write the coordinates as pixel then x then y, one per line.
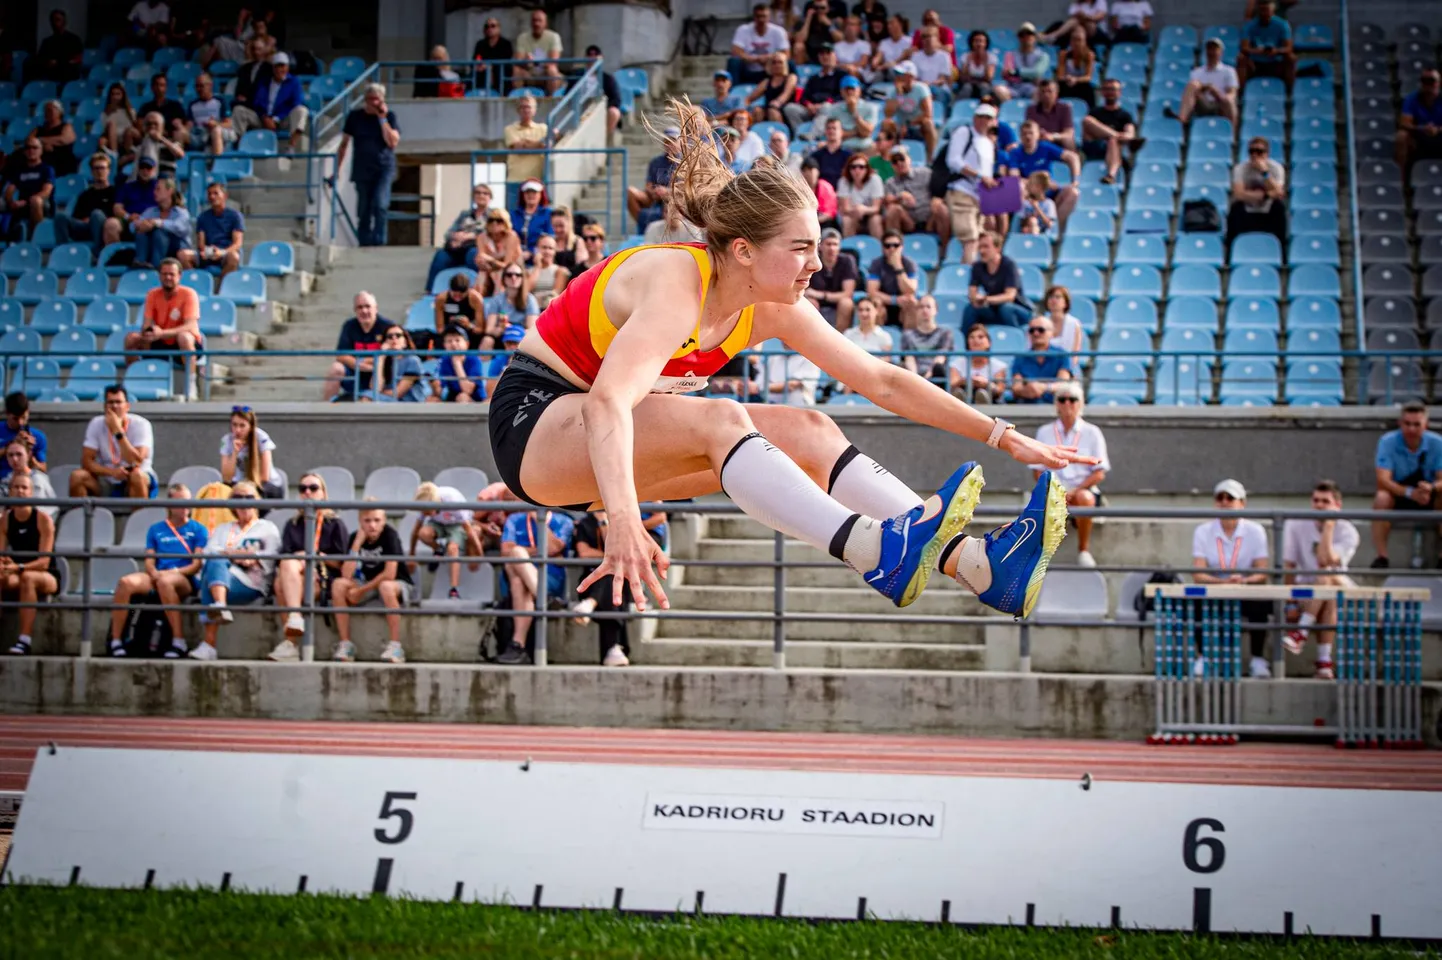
pixel 1216 851
pixel 407 819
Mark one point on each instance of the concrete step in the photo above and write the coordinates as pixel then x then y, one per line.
pixel 728 627
pixel 704 652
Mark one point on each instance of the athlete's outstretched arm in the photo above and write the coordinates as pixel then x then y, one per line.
pixel 892 387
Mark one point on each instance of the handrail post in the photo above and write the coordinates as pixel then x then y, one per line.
pixel 307 640
pixel 1279 610
pixel 1024 649
pixel 778 605
pixel 89 544
pixel 543 548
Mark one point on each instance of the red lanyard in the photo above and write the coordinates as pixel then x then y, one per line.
pixel 1236 551
pixel 183 544
pixel 230 540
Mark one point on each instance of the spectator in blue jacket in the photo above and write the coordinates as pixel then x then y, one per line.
pixel 133 198
pixel 162 230
pixel 279 104
pixel 532 217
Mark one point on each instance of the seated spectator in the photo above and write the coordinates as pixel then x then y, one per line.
pixel 749 147
pixel 20 463
pixel 373 128
pixel 1211 90
pixel 1259 195
pixel 1032 155
pixel 612 92
pixel 935 64
pixel 489 523
pixel 1066 330
pixel 1038 213
pixel 520 539
pixel 163 231
pixel 541 46
pixel 170 321
pixel 995 291
pixel 927 338
pixel 511 305
pixel 722 103
pixel 1409 473
pixel 1419 125
pixel 279 105
pixel 979 377
pixel 116 455
pixel 248 453
pixel 16 426
pixel 1076 70
pixel 945 36
pixel 172 112
pixel 858 117
pixel 910 106
pixel 1131 21
pixel 817 26
pixel 460 239
pixel 1025 67
pixel 29 189
pixel 231 43
pixel 1081 481
pixel 1227 545
pixel 400 376
pixel 868 334
pixel 892 48
pixel 150 19
pixel 1267 47
pixel 437 78
pixel 497 248
pixel 461 307
pixel 364 581
pixel 1108 128
pixel 57 140
pixel 778 146
pixel 1036 374
pixel 331 539
pixel 593 235
pixel 27 574
pixel 753 43
pixel 1089 15
pixel 1320 550
pixel 155 145
pixel 971 159
pixel 350 375
pixel 220 233
pixel 254 73
pixel 118 120
pixel 908 206
pixel 89 219
pixel 59 56
pixel 791 379
pixel 858 198
pixel 545 280
pixel 209 118
pixel 775 91
pixel 615 640
pixel 133 198
pixel 826 205
pixel 493 49
pixel 853 51
pixel 570 248
pixel 831 288
pixel 645 203
pixel 239 566
pixel 1052 117
pixel 511 337
pixel 448 532
pixel 459 378
pixel 830 158
pixel 173 549
pixel 892 280
pixel 976 70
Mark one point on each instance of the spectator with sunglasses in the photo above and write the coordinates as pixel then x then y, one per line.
pixel 593 237
pixel 511 305
pixel 493 46
pixel 330 539
pixel 1081 481
pixel 1036 374
pixel 399 375
pixel 1230 548
pixel 1259 195
pixel 239 568
pixel 892 280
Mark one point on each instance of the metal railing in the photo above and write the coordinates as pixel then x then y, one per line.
pixel 1358 294
pixel 610 160
pixel 89 601
pixel 197 171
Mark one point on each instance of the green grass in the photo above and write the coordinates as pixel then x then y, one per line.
pixel 193 925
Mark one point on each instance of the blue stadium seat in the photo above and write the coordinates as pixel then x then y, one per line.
pixel 1208 151
pixel 1314 379
pixel 1123 343
pixel 1191 313
pixel 1094 170
pixel 949 309
pixel 201 281
pixel 1253 379
pixel 223 70
pixel 1136 280
pixel 162 59
pixel 77 342
pixel 1318 341
pixel 149 380
pixel 1254 281
pixel 127 57
pixel 1145 221
pixel 1198 248
pixel 52 315
pixel 1213 129
pixel 1257 248
pixel 35 374
pixel 112 252
pixel 326 88
pixel 135 284
pixel 1197 341
pixel 1230 36
pixel 348 69
pixel 1212 174
pixel 443 279
pixel 86 285
pixel 1315 196
pixel 182 75
pixel 1123 373
pixel 12 314
pixel 866 249
pixel 1255 313
pixel 20 257
pixel 245 288
pixel 1141 249
pixel 1316 108
pixel 1132 312
pixel 1033 282
pixel 1310 37
pixel 1091 223
pixel 922 247
pixel 421 315
pixel 69 258
pixel 953 278
pixel 1196 280
pixel 1027 248
pixel 1313 87
pixel 90 376
pixel 636 80
pixel 1250 340
pixel 1161 151
pixel 1155 197
pixel 1316 127
pixel 1322 222
pixel 1313 248
pixel 105 315
pixel 1155 174
pixel 1081 280
pixel 36 285
pixel 1315 313
pixel 259 141
pixel 1116 395
pixel 1219 195
pixel 1180 382
pixel 1163 130
pixel 1314 149
pixel 1091 251
pixel 217 317
pixel 1179 34
pixel 1007 341
pixel 1314 280
pixel 1085 311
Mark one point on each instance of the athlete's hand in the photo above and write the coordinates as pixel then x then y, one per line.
pixel 631 557
pixel 1024 449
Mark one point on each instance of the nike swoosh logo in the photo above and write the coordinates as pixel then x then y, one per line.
pixel 905 539
pixel 1030 526
pixel 931 509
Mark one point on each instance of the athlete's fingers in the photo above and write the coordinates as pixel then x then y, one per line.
pixel 656 591
pixel 618 586
pixel 663 563
pixel 594 575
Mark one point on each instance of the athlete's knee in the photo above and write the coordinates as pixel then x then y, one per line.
pixel 728 418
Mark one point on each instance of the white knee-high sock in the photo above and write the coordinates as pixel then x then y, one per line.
pixel 867 487
pixel 770 487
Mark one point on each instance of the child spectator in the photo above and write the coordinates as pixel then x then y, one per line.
pixel 510 339
pixel 447 532
pixel 388 579
pixel 230 577
pixel 399 374
pixel 979 377
pixel 247 453
pixel 173 550
pixel 331 539
pixel 459 378
pixel 1038 212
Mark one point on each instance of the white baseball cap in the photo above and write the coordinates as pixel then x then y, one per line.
pixel 906 67
pixel 1231 488
pixel 985 110
pixel 280 59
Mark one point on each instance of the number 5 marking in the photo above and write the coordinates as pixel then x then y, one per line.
pixel 406 818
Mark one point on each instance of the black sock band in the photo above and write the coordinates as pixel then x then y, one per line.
pixel 721 474
pixel 850 454
pixel 843 533
pixel 947 551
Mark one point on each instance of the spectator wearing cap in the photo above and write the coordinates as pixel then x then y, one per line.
pixel 532 217
pixel 1032 154
pixel 910 106
pixel 853 51
pixel 831 289
pixel 1108 128
pixel 372 127
pixel 459 376
pixel 1211 90
pixel 1267 47
pixel 525 134
pixel 1409 473
pixel 971 162
pixel 1131 21
pixel 16 426
pixel 133 198
pixel 279 104
pixel 646 203
pixel 858 117
pixel 1052 117
pixel 825 192
pixel 908 206
pixel 511 338
pixel 1419 125
pixel 542 47
pixel 722 102
pixel 1259 191
pixel 493 47
pixel 1025 67
pixel 820 89
pixel 1224 550
pixel 753 43
pixel 819 24
pixel 995 295
pixel 29 189
pixel 611 90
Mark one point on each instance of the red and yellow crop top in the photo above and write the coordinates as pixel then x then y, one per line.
pixel 576 327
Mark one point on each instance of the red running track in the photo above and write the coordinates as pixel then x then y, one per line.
pixel 1283 765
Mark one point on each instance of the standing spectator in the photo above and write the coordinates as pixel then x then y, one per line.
pixel 497 248
pixel 1267 47
pixel 1108 128
pixel 520 539
pixel 995 291
pixel 59 56
pixel 927 338
pixel 511 304
pixel 542 47
pixel 776 91
pixel 86 220
pixel 279 104
pixel 460 377
pixel 1066 330
pixel 612 92
pixel 1025 67
pixel 946 37
pixel 163 231
pixel 1259 192
pixel 1032 155
pixel 1131 21
pixel 173 548
pixel 908 206
pixel 1052 117
pixel 155 145
pixel 1419 125
pixel 525 134
pixel 892 280
pixel 331 539
pixel 447 531
pixel 858 117
pixel 116 455
pixel 460 239
pixel 979 377
pixel 1409 473
pixel 1082 482
pixel 545 280
pixel 379 574
pixel 722 102
pixel 1225 546
pixel 462 307
pixel 170 321
pixel 27 573
pixel 492 50
pixel 210 127
pixel 1211 90
pixel 254 73
pixel 753 43
pixel 935 64
pixel 220 232
pixel 350 375
pixel 531 218
pixel 825 192
pixel 133 198
pixel 615 640
pixel 374 129
pixel 19 463
pixel 646 204
pixel 29 189
pixel 831 156
pixel 1089 15
pixel 248 453
pixel 400 377
pixel 977 69
pixel 858 198
pixel 971 160
pixel 171 111
pixel 16 426
pixel 118 121
pixel 819 25
pixel 893 47
pixel 239 566
pixel 1036 373
pixel 57 139
pixel 1076 70
pixel 830 289
pixel 820 89
pixel 853 51
pixel 1321 550
pixel 910 106
pixel 868 334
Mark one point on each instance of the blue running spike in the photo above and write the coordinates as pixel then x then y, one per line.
pixel 911 543
pixel 1020 551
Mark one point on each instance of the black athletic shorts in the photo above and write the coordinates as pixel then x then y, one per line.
pixel 526 388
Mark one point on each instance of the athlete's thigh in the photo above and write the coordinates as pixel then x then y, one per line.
pixel 804 434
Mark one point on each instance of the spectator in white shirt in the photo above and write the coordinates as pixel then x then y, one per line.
pixel 447 531
pixel 1082 481
pixel 978 377
pixel 116 457
pixel 791 379
pixel 1131 21
pixel 935 65
pixel 240 579
pixel 853 51
pixel 1320 551
pixel 1087 14
pixel 753 43
pixel 1211 91
pixel 971 159
pixel 868 334
pixel 1227 547
pixel 895 47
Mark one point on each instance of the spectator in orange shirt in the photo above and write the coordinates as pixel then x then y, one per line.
pixel 170 321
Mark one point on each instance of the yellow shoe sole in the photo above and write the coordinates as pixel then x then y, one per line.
pixel 1052 534
pixel 958 516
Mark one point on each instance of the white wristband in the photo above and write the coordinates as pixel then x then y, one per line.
pixel 998 430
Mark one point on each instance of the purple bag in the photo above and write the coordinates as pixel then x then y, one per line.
pixel 1005 197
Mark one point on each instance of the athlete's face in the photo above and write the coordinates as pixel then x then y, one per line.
pixel 782 267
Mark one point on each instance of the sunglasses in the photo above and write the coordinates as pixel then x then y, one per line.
pixel 1225 498
pixel 892 246
pixel 242 496
pixel 309 488
pixel 510 276
pixel 591 237
pixel 858 166
pixel 1256 151
pixel 1037 330
pixel 1066 399
pixel 240 409
pixel 394 336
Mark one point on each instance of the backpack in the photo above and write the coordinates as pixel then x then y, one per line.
pixel 941 174
pixel 304 64
pixel 1201 216
pixel 1143 603
pixel 150 636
